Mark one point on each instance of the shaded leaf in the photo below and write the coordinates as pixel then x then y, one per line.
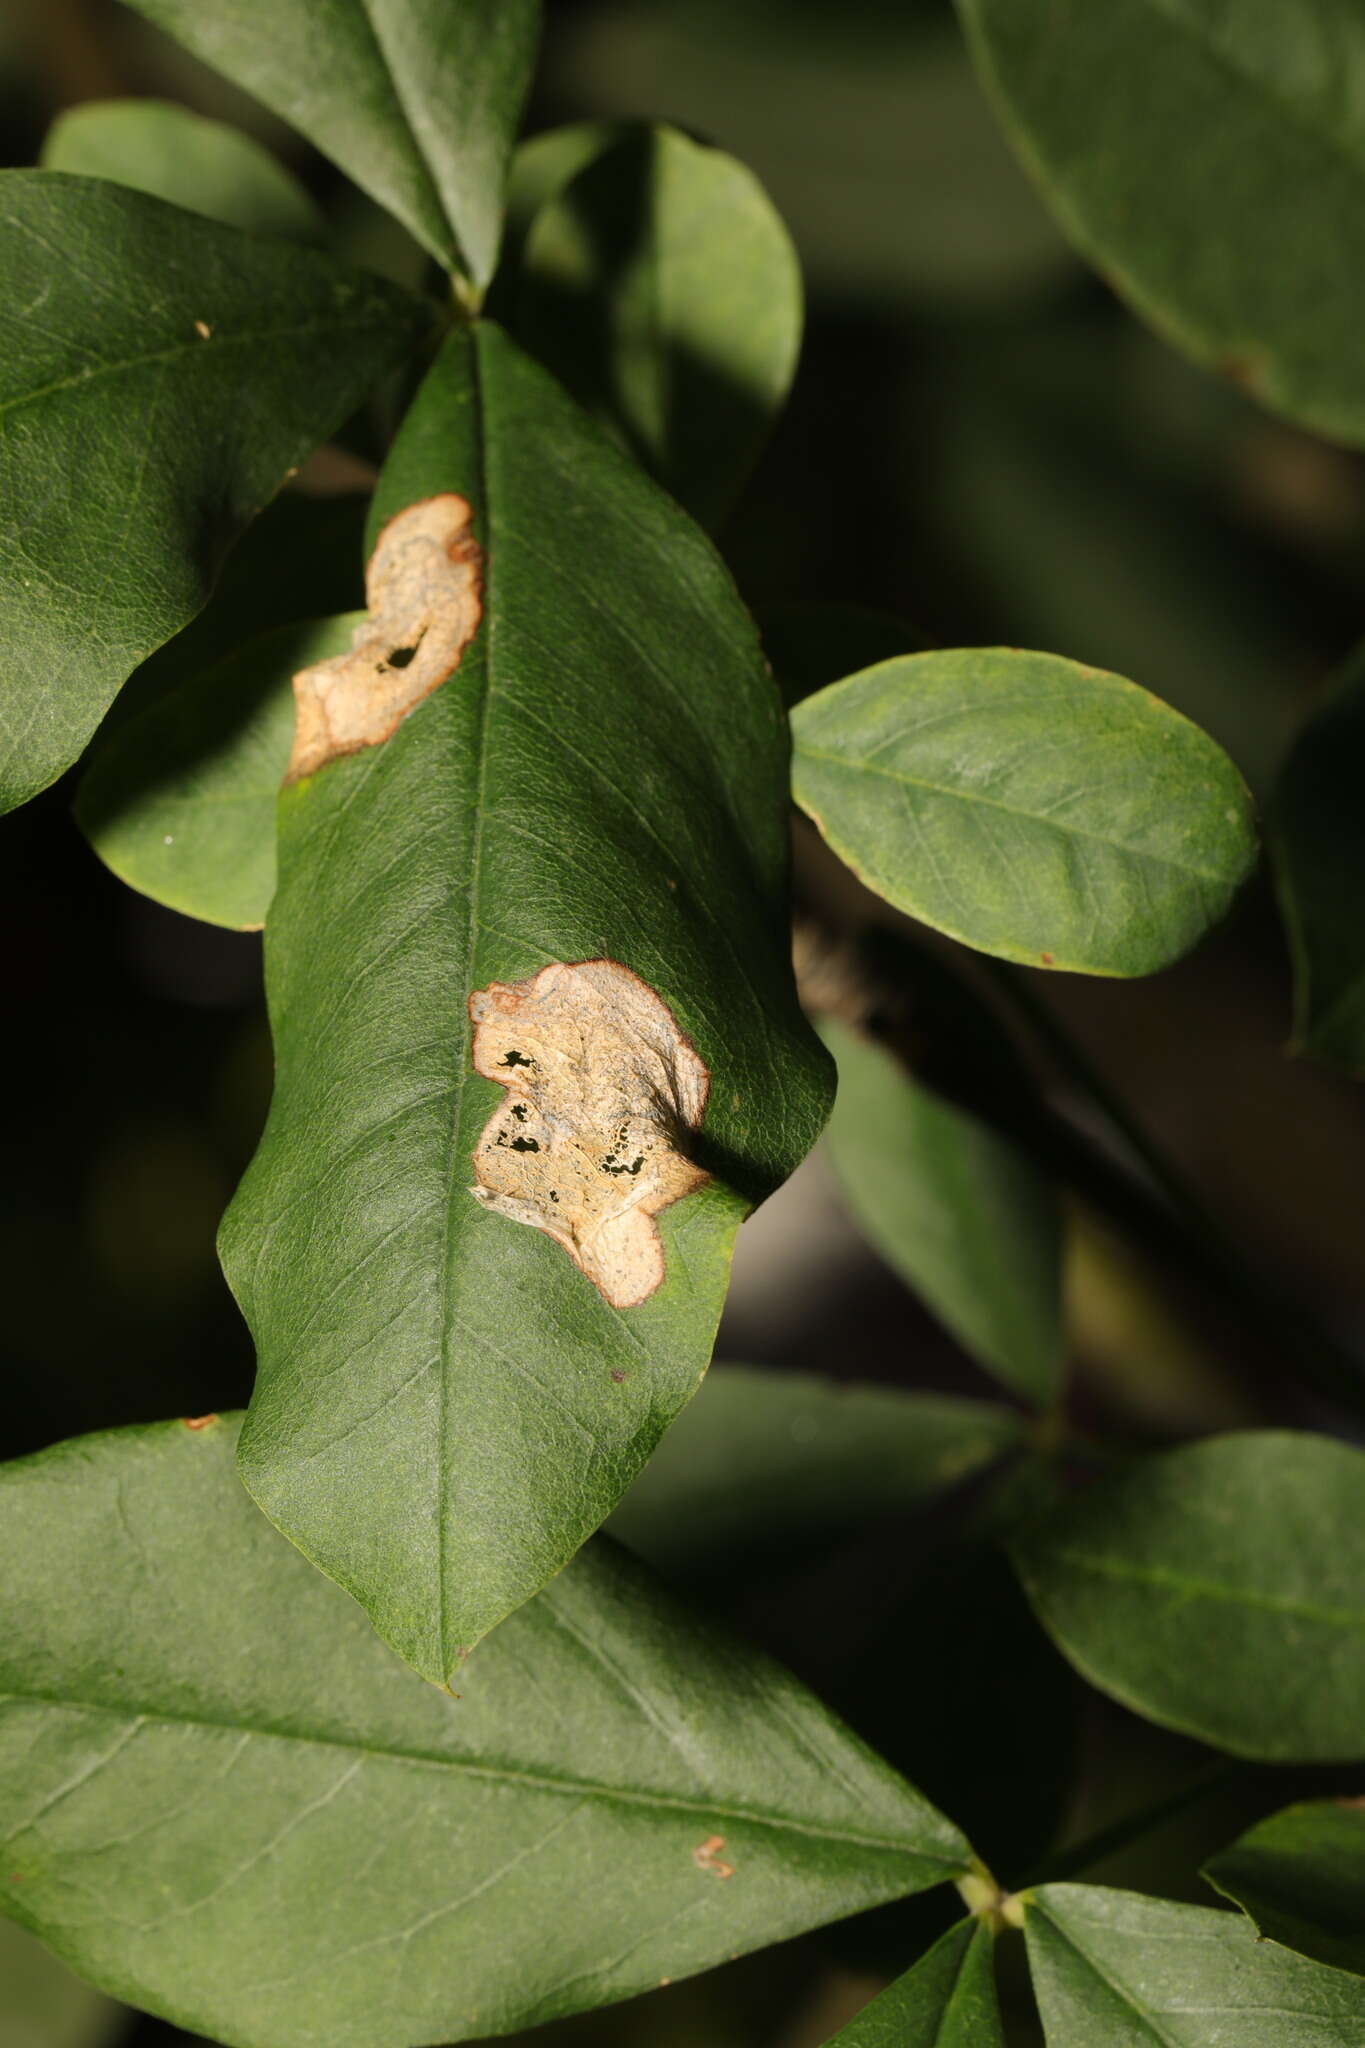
pixel 1131 1972
pixel 661 287
pixel 946 2001
pixel 1317 846
pixel 1211 161
pixel 45 2006
pixel 225 1800
pixel 130 333
pixel 417 100
pixel 180 802
pixel 205 166
pixel 540 169
pixel 773 1460
pixel 1028 806
pixel 1300 1875
pixel 1216 1589
pixel 446 1404
pixel 966 1219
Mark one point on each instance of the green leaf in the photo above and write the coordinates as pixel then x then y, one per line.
pixel 1300 1875
pixel 45 2006
pixel 661 287
pixel 131 337
pixel 446 1405
pixel 224 1800
pixel 967 1220
pixel 417 100
pixel 541 167
pixel 1028 806
pixel 764 1460
pixel 1217 1589
pixel 180 802
pixel 1225 195
pixel 1133 1972
pixel 204 166
pixel 947 2001
pixel 1317 846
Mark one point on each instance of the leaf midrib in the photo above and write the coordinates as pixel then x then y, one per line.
pixel 1115 1987
pixel 560 1787
pixel 1349 1618
pixel 1038 818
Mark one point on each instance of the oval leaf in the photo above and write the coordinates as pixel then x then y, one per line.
pixel 765 1460
pixel 947 2001
pixel 417 100
pixel 1113 1967
pixel 180 802
pixel 204 166
pixel 223 1799
pixel 448 1402
pixel 1211 162
pixel 1300 1876
pixel 661 287
pixel 1317 845
pixel 132 461
pixel 963 1216
pixel 1028 806
pixel 1217 1589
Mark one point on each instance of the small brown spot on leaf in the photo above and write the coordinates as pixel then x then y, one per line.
pixel 602 1092
pixel 423 588
pixel 1046 959
pixel 619 1377
pixel 706 1857
pixel 202 329
pixel 199 1421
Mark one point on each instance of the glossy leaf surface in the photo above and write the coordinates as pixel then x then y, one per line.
pixel 1028 806
pixel 766 1459
pixel 225 1800
pixel 417 100
pixel 1131 1972
pixel 947 2001
pixel 180 802
pixel 1317 843
pixel 1300 1876
pixel 1210 160
pixel 661 287
pixel 446 1405
pixel 966 1219
pixel 133 454
pixel 205 166
pixel 1216 1589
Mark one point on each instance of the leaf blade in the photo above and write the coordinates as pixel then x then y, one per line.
pixel 577 803
pixel 946 2001
pixel 1299 1876
pixel 941 780
pixel 1189 1588
pixel 131 465
pixel 359 1849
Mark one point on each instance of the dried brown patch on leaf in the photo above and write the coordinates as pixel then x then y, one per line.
pixel 603 1090
pixel 706 1856
pixel 423 589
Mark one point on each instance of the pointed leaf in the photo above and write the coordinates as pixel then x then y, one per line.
pixel 129 335
pixel 765 1460
pixel 963 1216
pixel 417 100
pixel 661 287
pixel 205 166
pixel 1217 1589
pixel 180 801
pixel 1131 1972
pixel 947 2001
pixel 1028 806
pixel 447 1405
pixel 1211 161
pixel 225 1800
pixel 1317 845
pixel 1300 1875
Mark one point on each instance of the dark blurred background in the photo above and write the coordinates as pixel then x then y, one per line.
pixel 983 442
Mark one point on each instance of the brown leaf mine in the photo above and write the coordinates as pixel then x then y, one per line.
pixel 423 589
pixel 602 1091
